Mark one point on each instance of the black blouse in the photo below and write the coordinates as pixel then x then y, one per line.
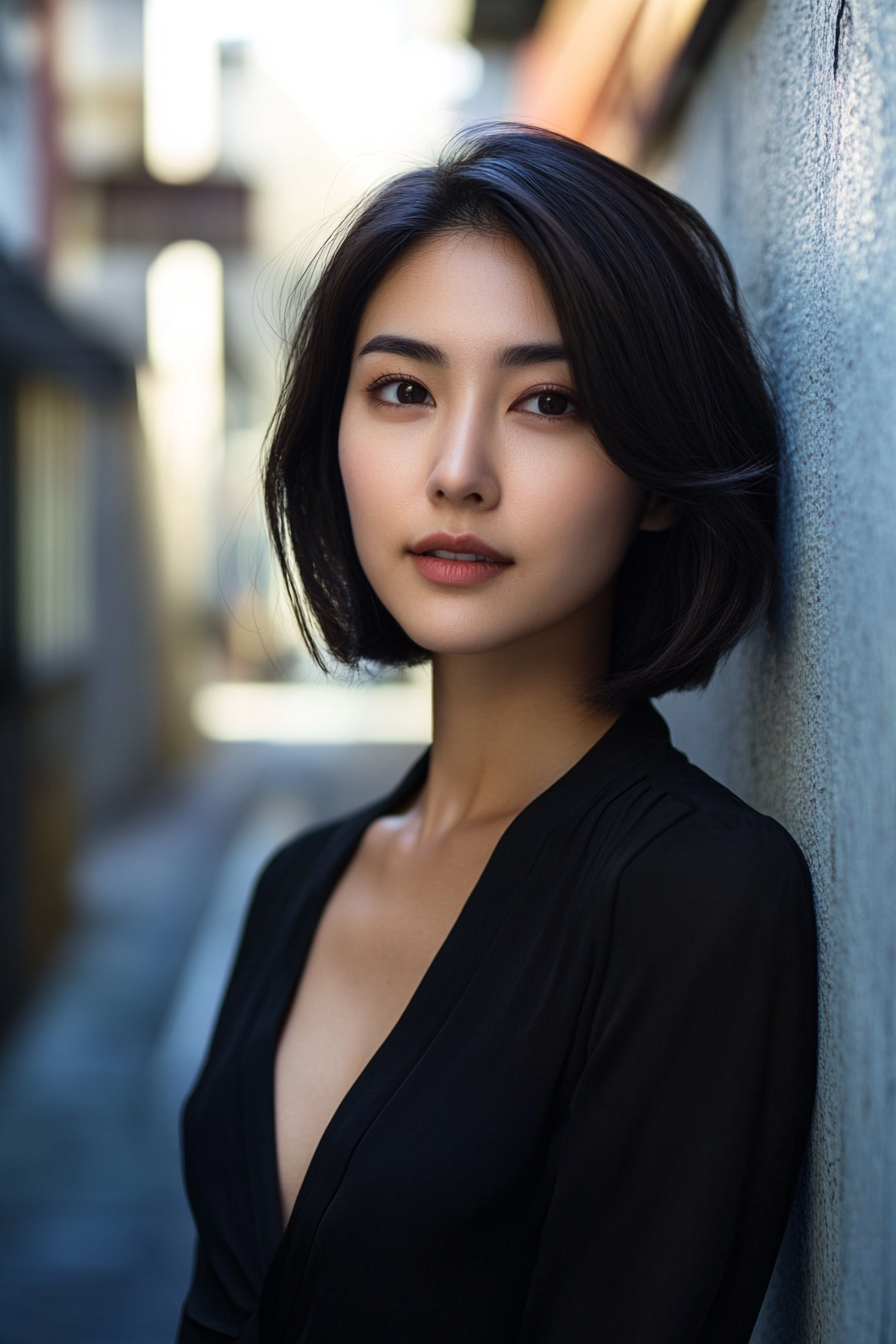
pixel 588 1122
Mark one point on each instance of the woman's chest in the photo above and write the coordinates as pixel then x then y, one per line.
pixel 382 926
pixel 456 1107
pixel 453 1121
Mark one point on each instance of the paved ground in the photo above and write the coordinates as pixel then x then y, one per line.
pixel 95 1237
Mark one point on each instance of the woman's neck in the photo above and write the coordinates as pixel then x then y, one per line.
pixel 508 723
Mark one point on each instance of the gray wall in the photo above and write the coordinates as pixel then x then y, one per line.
pixel 788 146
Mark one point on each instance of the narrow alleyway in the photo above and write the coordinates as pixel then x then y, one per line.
pixel 95 1236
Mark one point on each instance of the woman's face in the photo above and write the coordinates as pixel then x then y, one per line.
pixel 484 510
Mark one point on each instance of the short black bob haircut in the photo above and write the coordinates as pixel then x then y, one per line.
pixel 665 372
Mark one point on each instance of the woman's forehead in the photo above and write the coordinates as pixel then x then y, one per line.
pixel 459 282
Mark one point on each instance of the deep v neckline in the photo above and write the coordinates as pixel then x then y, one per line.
pixel 324 889
pixel 433 1001
pixel 259 1063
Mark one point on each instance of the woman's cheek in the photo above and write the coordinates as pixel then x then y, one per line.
pixel 592 527
pixel 373 517
pixel 363 484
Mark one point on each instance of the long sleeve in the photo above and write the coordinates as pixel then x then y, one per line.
pixel 684 1135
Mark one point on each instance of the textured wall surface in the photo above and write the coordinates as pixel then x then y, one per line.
pixel 788 147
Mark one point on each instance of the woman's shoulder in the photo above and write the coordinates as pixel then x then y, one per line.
pixel 290 870
pixel 687 813
pixel 296 855
pixel 716 820
pixel 717 869
pixel 687 854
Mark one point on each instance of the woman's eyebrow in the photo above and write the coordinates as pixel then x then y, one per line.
pixel 406 346
pixel 513 357
pixel 518 356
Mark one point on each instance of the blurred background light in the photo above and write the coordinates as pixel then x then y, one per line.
pixel 334 713
pixel 370 77
pixel 184 333
pixel 181 90
pixel 183 395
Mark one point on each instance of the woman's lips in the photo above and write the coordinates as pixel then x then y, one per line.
pixel 459 561
pixel 459 573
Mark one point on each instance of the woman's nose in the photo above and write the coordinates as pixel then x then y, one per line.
pixel 464 471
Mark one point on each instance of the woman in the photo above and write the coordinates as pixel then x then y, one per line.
pixel 525 1051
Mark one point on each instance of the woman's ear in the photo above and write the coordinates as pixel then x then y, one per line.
pixel 660 512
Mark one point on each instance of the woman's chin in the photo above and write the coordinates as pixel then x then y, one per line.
pixel 464 643
pixel 459 647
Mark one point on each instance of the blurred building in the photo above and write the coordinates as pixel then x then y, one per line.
pixel 78 658
pixel 168 170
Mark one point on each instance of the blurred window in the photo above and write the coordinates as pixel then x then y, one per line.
pixel 55 615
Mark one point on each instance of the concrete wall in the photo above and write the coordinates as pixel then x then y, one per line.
pixel 788 146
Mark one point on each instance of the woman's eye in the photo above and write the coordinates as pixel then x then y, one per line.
pixel 405 394
pixel 553 404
